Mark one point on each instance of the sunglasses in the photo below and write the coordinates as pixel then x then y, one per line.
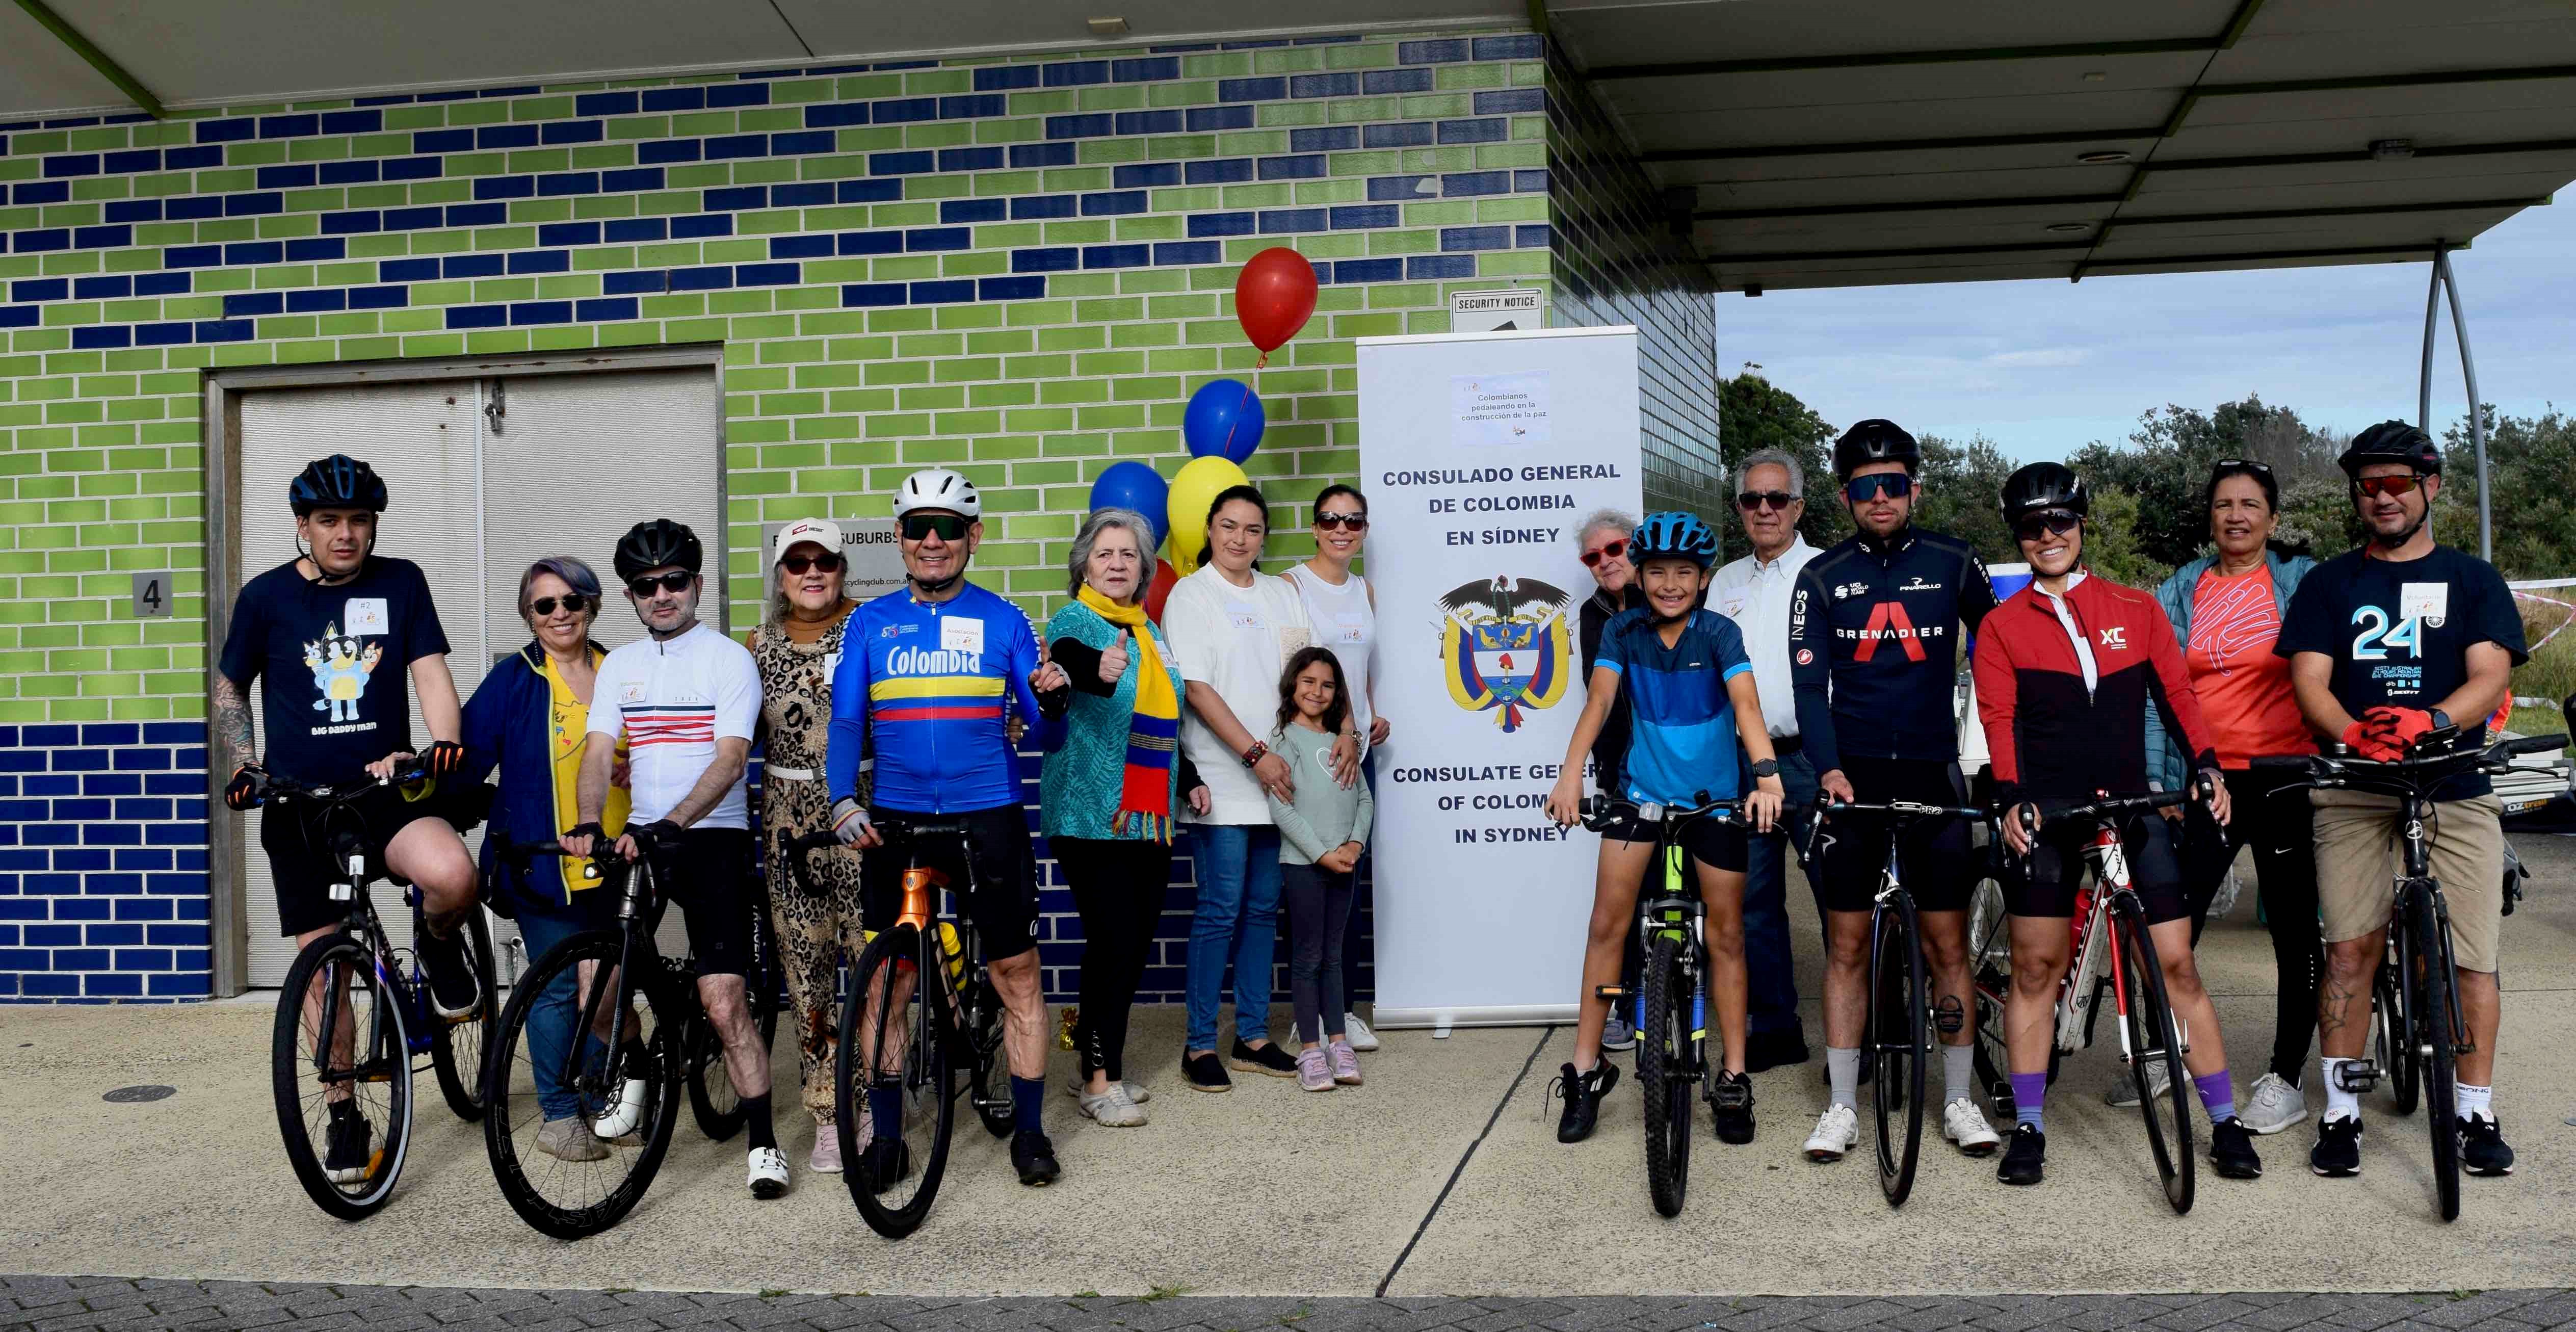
pixel 1768 499
pixel 2241 465
pixel 1610 550
pixel 677 580
pixel 2051 522
pixel 919 526
pixel 572 602
pixel 828 562
pixel 1894 485
pixel 2391 486
pixel 1348 522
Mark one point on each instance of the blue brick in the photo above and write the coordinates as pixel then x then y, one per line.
pixel 225 131
pixel 1328 139
pixel 1251 90
pixel 1188 252
pixel 477 316
pixel 177 986
pixel 736 197
pixel 51 936
pixel 872 294
pixel 1431 52
pixel 319 301
pixel 870 242
pixel 943 292
pixel 1143 69
pixel 765 275
pixel 195 210
pixel 541 312
pixel 1531 181
pixel 869 191
pixel 100 288
pixel 1475 238
pixel 701 279
pixel 1222 224
pixel 134 210
pixel 474 265
pixel 675 99
pixel 477 214
pixel 1533 235
pixel 1116 256
pixel 193 256
pixel 630 282
pixel 1077 73
pixel 1433 266
pixel 831 115
pixel 506 187
pixel 442 141
pixel 384 99
pixel 352 122
pixel 1507 100
pixel 289 127
pixel 805 144
pixel 799 247
pixel 1526 46
pixel 1474 131
pixel 413 168
pixel 1003 78
pixel 562 184
pixel 1221 171
pixel 572 131
pixel 81 959
pixel 630 180
pixel 1292 168
pixel 972 106
pixel 938 238
pixel 568 233
pixel 408 270
pixel 701 227
pixel 729 146
pixel 413 219
pixel 1089 126
pixel 353 224
pixel 351 173
pixel 379 298
pixel 19 316
pixel 969 159
pixel 41 192
pixel 103 237
pixel 1044 206
pixel 1059 259
pixel 253 303
pixel 1324 85
pixel 133 162
pixel 901 164
pixel 660 151
pixel 1384 82
pixel 906 110
pixel 102 337
pixel 41 242
pixel 71 164
pixel 175 935
pixel 1010 288
pixel 1113 203
pixel 738 94
pixel 1275 221
pixel 105 936
pixel 23 959
pixel 605 309
pixel 40 289
pixel 1149 122
pixel 808 195
pixel 1027 155
pixel 161 335
pixel 47 737
pixel 1146 175
pixel 254 205
pixel 606 104
pixel 48 985
pixel 1353 216
pixel 1463 183
pixel 129 961
pixel 505 136
pixel 541 261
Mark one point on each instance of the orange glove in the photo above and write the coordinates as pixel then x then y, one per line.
pixel 2398 727
pixel 2364 739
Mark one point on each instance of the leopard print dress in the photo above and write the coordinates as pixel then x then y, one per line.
pixel 814 927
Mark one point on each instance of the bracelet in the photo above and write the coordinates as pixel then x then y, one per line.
pixel 1252 757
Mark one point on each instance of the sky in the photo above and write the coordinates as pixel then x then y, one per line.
pixel 2045 367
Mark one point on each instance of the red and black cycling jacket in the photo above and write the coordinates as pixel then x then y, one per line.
pixel 2049 737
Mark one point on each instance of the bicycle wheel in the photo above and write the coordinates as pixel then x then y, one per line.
pixel 1899 1011
pixel 340 1065
pixel 894 1055
pixel 988 1082
pixel 713 1099
pixel 1990 983
pixel 2153 1040
pixel 1663 1083
pixel 559 1174
pixel 457 1045
pixel 2428 967
pixel 2390 1049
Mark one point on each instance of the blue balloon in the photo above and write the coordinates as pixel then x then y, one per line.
pixel 1133 485
pixel 1225 420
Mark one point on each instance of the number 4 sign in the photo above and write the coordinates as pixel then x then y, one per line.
pixel 151 595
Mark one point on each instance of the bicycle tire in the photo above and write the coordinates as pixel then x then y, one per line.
pixel 1663 1045
pixel 991 1095
pixel 2395 1055
pixel 713 1099
pixel 927 1078
pixel 375 1018
pixel 1900 1011
pixel 1990 985
pixel 555 1196
pixel 2154 1037
pixel 2430 975
pixel 457 1047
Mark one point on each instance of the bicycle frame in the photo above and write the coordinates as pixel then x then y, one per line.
pixel 2417 880
pixel 2096 963
pixel 1677 913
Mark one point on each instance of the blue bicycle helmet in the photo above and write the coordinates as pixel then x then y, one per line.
pixel 336 482
pixel 1674 534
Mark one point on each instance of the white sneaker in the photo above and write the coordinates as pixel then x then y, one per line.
pixel 768 1172
pixel 1080 1087
pixel 1112 1108
pixel 826 1156
pixel 625 1114
pixel 2124 1091
pixel 1962 1123
pixel 2273 1104
pixel 1836 1130
pixel 1357 1033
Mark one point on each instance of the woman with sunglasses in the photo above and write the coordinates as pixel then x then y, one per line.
pixel 2226 611
pixel 1343 608
pixel 796 647
pixel 530 720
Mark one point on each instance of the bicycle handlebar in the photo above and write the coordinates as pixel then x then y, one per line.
pixel 1828 806
pixel 1600 812
pixel 2113 806
pixel 286 789
pixel 2339 765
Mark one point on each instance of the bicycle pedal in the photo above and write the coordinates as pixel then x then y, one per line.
pixel 1609 992
pixel 2356 1075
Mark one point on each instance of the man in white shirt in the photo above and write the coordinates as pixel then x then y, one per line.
pixel 1755 593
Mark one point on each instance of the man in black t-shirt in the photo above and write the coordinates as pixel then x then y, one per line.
pixel 2387 644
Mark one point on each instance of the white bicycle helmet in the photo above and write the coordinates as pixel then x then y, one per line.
pixel 938 488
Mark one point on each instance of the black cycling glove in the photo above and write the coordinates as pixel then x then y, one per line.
pixel 249 787
pixel 442 758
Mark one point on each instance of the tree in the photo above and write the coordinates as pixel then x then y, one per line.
pixel 1754 414
pixel 2165 466
pixel 1961 494
pixel 2528 461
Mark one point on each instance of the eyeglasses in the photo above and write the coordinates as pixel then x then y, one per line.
pixel 919 526
pixel 1348 522
pixel 2046 523
pixel 573 603
pixel 1610 550
pixel 828 562
pixel 1894 485
pixel 2391 486
pixel 677 580
pixel 1767 499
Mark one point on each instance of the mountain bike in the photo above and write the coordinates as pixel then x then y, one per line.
pixel 2418 1033
pixel 1671 1005
pixel 2113 953
pixel 917 1008
pixel 1901 1021
pixel 354 1015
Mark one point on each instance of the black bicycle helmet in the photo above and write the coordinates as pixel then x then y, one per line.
pixel 336 482
pixel 2042 486
pixel 2392 441
pixel 656 544
pixel 1872 441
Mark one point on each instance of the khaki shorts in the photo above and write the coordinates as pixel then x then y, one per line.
pixel 2358 860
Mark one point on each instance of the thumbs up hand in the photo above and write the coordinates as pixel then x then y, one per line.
pixel 1113 662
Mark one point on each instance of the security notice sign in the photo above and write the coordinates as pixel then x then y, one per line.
pixel 1482 454
pixel 1510 309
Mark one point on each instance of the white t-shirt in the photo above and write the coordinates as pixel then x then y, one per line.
pixel 673 701
pixel 1344 621
pixel 1235 640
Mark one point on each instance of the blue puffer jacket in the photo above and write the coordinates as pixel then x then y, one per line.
pixel 2167 766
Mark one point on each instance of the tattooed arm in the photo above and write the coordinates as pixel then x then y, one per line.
pixel 232 723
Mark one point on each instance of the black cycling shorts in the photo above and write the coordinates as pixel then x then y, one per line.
pixel 298 838
pixel 1001 896
pixel 2045 885
pixel 1939 863
pixel 1717 843
pixel 706 873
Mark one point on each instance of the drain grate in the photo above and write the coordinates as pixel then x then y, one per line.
pixel 150 1091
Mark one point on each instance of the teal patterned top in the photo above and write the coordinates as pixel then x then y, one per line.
pixel 1079 780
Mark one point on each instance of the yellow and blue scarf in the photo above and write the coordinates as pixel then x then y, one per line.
pixel 1145 791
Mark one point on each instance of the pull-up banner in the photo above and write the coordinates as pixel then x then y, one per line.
pixel 1482 454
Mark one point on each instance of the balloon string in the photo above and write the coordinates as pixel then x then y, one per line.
pixel 1237 422
pixel 1264 361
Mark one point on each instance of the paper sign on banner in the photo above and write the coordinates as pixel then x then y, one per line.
pixel 1499 409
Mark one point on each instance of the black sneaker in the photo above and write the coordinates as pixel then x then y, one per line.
pixel 1035 1158
pixel 348 1148
pixel 884 1162
pixel 2482 1147
pixel 2231 1149
pixel 2025 1153
pixel 2338 1150
pixel 1730 1103
pixel 1206 1072
pixel 1583 1093
pixel 452 988
pixel 1774 1049
pixel 1268 1059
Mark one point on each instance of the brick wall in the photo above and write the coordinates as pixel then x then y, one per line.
pixel 103 862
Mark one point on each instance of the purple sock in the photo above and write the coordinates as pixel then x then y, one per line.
pixel 2217 1096
pixel 2029 1091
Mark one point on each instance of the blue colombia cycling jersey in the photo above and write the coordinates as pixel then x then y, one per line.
pixel 920 689
pixel 1683 738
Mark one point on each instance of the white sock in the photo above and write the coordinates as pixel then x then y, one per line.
pixel 1958 1074
pixel 1842 1067
pixel 2474 1100
pixel 2340 1104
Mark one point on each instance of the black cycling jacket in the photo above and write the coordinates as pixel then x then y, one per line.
pixel 1872 649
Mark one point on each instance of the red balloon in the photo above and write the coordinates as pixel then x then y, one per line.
pixel 1274 296
pixel 1160 590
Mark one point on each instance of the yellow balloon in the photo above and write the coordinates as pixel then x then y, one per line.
pixel 1200 481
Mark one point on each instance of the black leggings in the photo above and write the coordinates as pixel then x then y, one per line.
pixel 2279 828
pixel 1118 888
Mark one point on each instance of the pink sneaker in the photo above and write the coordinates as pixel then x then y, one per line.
pixel 1346 1063
pixel 1314 1070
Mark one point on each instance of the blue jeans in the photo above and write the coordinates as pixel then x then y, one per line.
pixel 1238 917
pixel 1771 980
pixel 551 1019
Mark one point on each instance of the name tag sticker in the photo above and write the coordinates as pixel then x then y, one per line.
pixel 631 692
pixel 2430 601
pixel 961 634
pixel 1352 628
pixel 1243 615
pixel 365 615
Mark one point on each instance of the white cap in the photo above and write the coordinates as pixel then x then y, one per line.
pixel 821 531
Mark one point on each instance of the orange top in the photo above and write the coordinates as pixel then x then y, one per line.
pixel 2244 688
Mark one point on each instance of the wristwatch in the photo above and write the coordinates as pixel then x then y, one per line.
pixel 1252 756
pixel 1769 767
pixel 2441 719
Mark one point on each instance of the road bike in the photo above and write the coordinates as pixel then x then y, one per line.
pixel 2113 954
pixel 2417 1031
pixel 1901 1020
pixel 917 1009
pixel 355 1016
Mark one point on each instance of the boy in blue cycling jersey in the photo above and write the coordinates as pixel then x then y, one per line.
pixel 1690 692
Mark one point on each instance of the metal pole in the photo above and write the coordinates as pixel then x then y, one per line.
pixel 2424 381
pixel 2477 416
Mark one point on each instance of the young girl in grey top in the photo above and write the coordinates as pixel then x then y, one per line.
pixel 1322 830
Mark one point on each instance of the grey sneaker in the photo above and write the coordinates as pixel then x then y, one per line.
pixel 1616 1034
pixel 569 1139
pixel 1112 1108
pixel 2273 1104
pixel 826 1156
pixel 2124 1088
pixel 1361 1038
pixel 1080 1086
